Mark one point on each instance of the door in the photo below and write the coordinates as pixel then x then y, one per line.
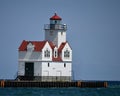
pixel 29 69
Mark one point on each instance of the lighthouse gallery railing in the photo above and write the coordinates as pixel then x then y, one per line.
pixel 55 26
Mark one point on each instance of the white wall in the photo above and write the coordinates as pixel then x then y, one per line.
pixel 21 68
pixel 30 56
pixel 37 68
pixel 55 68
pixel 61 37
pixel 51 37
pixel 57 36
pixel 42 69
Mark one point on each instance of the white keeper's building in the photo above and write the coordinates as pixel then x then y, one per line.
pixel 48 60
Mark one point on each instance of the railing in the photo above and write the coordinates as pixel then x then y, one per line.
pixel 55 26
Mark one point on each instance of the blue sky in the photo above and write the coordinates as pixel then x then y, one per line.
pixel 93 33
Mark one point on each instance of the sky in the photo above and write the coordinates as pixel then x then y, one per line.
pixel 93 33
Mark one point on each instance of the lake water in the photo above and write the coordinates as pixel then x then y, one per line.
pixel 112 90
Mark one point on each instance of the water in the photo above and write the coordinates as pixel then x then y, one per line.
pixel 112 90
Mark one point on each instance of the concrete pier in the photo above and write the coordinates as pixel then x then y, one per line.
pixel 80 84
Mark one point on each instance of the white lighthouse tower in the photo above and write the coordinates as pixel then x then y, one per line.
pixel 47 60
pixel 55 31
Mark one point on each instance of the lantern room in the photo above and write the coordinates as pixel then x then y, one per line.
pixel 55 23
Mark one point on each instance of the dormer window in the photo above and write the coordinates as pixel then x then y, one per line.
pixel 47 53
pixel 66 54
pixel 30 47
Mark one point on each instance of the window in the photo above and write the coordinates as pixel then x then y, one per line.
pixel 66 54
pixel 64 64
pixel 55 54
pixel 55 22
pixel 47 53
pixel 48 64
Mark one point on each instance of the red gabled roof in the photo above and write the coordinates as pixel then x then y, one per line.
pixel 61 46
pixel 23 46
pixel 55 17
pixel 38 45
pixel 51 45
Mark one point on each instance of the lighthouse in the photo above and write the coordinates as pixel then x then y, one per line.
pixel 55 31
pixel 47 60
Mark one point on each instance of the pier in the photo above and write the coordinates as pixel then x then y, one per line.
pixel 79 84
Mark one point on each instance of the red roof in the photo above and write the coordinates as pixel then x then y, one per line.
pixel 51 45
pixel 23 46
pixel 55 17
pixel 38 45
pixel 61 47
